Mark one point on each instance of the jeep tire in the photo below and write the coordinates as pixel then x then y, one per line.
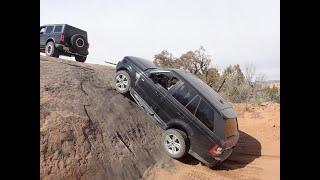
pixel 175 143
pixel 80 58
pixel 51 49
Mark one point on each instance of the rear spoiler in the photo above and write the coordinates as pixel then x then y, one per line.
pixel 229 113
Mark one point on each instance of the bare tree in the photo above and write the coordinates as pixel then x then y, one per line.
pixel 253 83
pixel 249 72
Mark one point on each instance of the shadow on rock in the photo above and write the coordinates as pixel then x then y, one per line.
pixel 246 151
pixel 129 97
pixel 188 159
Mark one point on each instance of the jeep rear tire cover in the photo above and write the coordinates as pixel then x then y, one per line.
pixel 78 42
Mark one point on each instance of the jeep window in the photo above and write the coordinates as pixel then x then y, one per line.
pixel 49 29
pixel 57 28
pixel 193 104
pixel 205 114
pixel 184 94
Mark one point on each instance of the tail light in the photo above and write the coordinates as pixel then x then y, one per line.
pixel 216 150
pixel 62 38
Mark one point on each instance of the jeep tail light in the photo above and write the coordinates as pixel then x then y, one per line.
pixel 216 150
pixel 62 38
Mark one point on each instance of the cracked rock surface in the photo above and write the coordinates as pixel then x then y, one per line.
pixel 87 129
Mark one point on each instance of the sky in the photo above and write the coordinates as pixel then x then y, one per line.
pixel 232 31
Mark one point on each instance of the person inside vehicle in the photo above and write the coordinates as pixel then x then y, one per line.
pixel 160 79
pixel 172 82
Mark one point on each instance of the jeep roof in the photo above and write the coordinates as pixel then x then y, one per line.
pixel 78 29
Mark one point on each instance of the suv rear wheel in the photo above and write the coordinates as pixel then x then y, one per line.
pixel 175 143
pixel 80 58
pixel 51 50
pixel 122 82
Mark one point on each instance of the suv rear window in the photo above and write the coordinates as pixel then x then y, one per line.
pixel 49 29
pixel 205 114
pixel 57 29
pixel 184 94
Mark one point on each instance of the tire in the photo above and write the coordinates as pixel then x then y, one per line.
pixel 51 50
pixel 81 58
pixel 122 82
pixel 78 42
pixel 175 143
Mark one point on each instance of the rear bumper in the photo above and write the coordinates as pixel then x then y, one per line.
pixel 209 160
pixel 228 146
pixel 68 50
pixel 224 155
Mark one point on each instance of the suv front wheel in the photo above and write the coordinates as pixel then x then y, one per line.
pixel 51 50
pixel 122 82
pixel 175 143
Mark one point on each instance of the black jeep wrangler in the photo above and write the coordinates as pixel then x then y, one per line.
pixel 196 119
pixel 63 39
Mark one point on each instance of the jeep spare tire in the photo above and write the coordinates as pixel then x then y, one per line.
pixel 78 42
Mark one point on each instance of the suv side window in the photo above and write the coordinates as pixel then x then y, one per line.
pixel 165 79
pixel 57 28
pixel 49 29
pixel 184 94
pixel 205 114
pixel 193 104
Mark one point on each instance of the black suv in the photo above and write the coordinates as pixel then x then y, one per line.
pixel 195 118
pixel 63 39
